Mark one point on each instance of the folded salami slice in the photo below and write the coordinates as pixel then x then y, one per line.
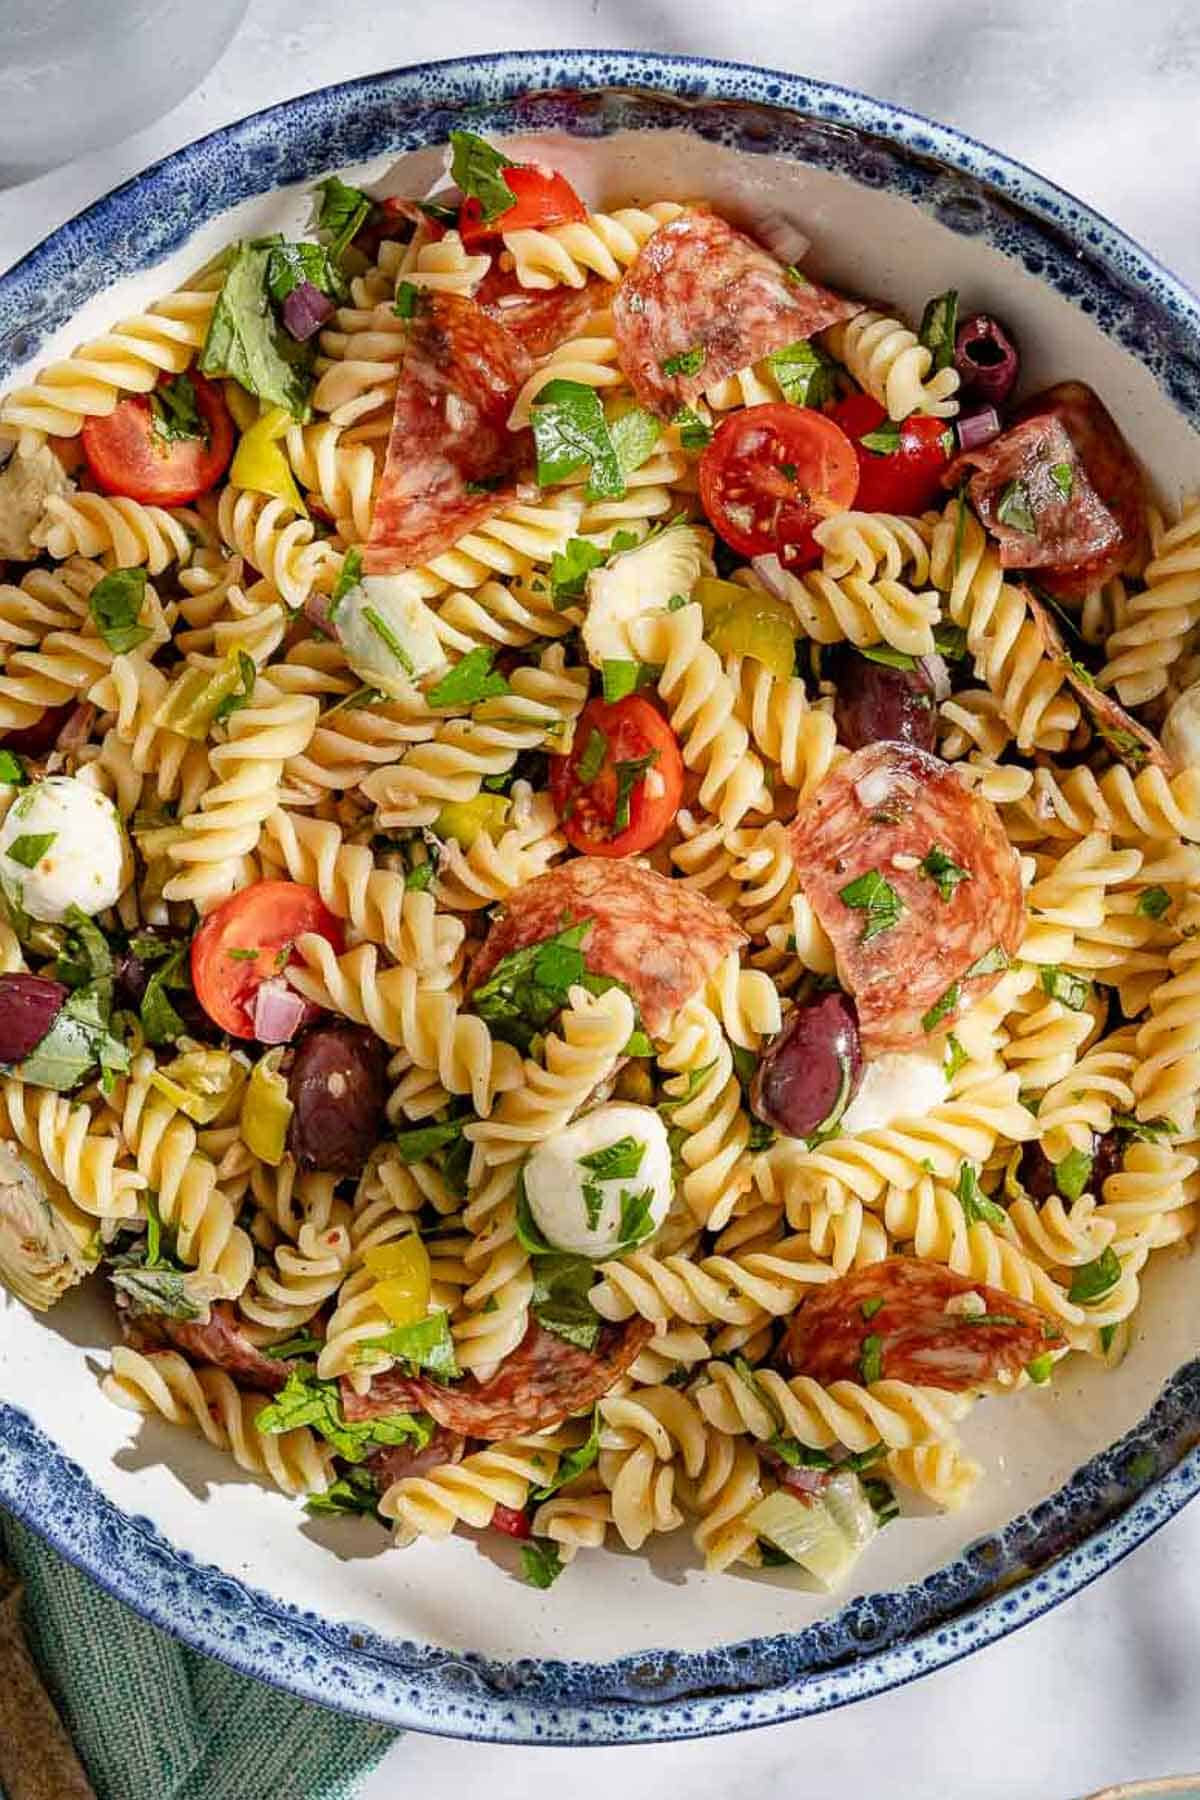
pixel 661 939
pixel 543 1381
pixel 702 301
pixel 889 1322
pixel 540 319
pixel 1125 736
pixel 404 1462
pixel 451 458
pixel 915 881
pixel 1059 491
pixel 221 1342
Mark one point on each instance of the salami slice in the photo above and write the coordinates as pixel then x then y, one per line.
pixel 916 883
pixel 451 458
pixel 221 1342
pixel 404 1462
pixel 1126 736
pixel 898 1320
pixel 540 319
pixel 702 301
pixel 661 939
pixel 542 1382
pixel 1059 491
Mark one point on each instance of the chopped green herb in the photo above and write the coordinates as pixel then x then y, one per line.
pixel 891 659
pixel 1148 1131
pixel 974 1201
pixel 796 1455
pixel 355 1492
pixel 694 433
pixel 616 1162
pixel 570 432
pixel 161 1024
pixel 247 675
pixel 592 760
pixel 629 773
pixel 242 955
pixel 427 1344
pixel 343 213
pixel 420 876
pixel 884 440
pixel 637 1222
pixel 383 631
pixel 1063 477
pixel 685 362
pixel 956 1057
pixel 804 373
pixel 882 1499
pixel 1060 984
pixel 870 1361
pixel 12 770
pixel 1072 1174
pixel 869 1308
pixel 306 1401
pixel 872 894
pixel 1015 508
pixel 29 849
pixel 292 265
pixel 950 641
pixel 1095 1279
pixel 247 342
pixel 541 1563
pixel 619 679
pixel 570 568
pixel 114 604
pixel 302 1344
pixel 939 323
pixel 174 415
pixel 1106 1335
pixel 419 1144
pixel 1153 902
pixel 940 1008
pixel 469 681
pixel 937 866
pixel 1140 1468
pixel 634 435
pixel 477 169
pixel 408 298
pixel 573 1463
pixel 559 1301
pixel 349 577
pixel 992 962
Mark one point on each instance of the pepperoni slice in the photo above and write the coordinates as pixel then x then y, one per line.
pixel 702 301
pixel 915 943
pixel 661 939
pixel 1126 736
pixel 543 1381
pixel 539 319
pixel 404 1462
pixel 221 1342
pixel 889 1322
pixel 1059 491
pixel 451 457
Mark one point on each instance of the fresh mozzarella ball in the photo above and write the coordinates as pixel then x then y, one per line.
pixel 388 633
pixel 556 1177
pixel 1181 729
pixel 900 1085
pixel 640 581
pixel 86 861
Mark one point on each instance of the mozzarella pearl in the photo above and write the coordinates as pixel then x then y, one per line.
pixel 555 1177
pixel 1181 729
pixel 87 862
pixel 899 1085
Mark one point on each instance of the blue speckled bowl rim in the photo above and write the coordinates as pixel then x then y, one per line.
pixel 880 1641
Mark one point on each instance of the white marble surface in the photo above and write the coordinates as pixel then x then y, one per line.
pixel 1102 97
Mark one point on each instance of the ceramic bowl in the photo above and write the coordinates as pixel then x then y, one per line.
pixel 441 1637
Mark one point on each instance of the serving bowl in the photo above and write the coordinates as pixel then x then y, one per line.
pixel 441 1637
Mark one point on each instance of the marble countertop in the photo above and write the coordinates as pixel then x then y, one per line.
pixel 1103 99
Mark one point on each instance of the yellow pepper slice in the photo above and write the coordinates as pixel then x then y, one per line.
pixel 266 1110
pixel 405 1280
pixel 192 701
pixel 465 820
pixel 260 465
pixel 741 621
pixel 201 1083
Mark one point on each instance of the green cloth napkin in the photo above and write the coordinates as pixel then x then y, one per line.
pixel 152 1720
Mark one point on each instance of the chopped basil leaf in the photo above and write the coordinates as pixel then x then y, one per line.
pixel 570 568
pixel 436 210
pixel 884 440
pixel 29 849
pixel 1039 1369
pixel 469 681
pixel 869 1308
pixel 248 343
pixel 939 322
pixel 974 1201
pixel 1015 509
pixel 1149 1131
pixel 1060 984
pixel 477 169
pixel 592 760
pixel 541 1563
pixel 950 641
pixel 1129 748
pixel 992 962
pixel 805 375
pixel 242 955
pixel 1095 1279
pixel 1072 1174
pixel 796 277
pixel 637 1223
pixel 1106 1334
pixel 388 638
pixel 955 1058
pixel 937 866
pixel 293 265
pixel 114 604
pixel 355 1492
pixel 1153 902
pixel 528 988
pixel 12 770
pixel 870 1361
pixel 559 1302
pixel 616 1162
pixel 575 1462
pixel 872 894
pixel 302 1344
pixel 891 659
pixel 427 1344
pixel 938 1011
pixel 344 212
pixel 161 1024
pixel 593 1203
pixel 306 1401
pixel 796 1455
pixel 168 1292
pixel 570 432
pixel 174 414
pixel 619 678
pixel 349 577
pixel 1063 477
pixel 422 1141
pixel 694 433
pixel 420 876
pixel 408 298
pixel 685 362
pixel 634 435
pixel 629 773
pixel 988 1319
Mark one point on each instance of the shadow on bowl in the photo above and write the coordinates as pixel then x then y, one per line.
pixel 1181 1787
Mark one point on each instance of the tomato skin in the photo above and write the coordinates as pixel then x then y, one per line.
pixel 907 481
pixel 762 472
pixel 267 917
pixel 128 457
pixel 633 728
pixel 512 1523
pixel 542 197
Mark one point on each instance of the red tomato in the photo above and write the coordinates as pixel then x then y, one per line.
pixel 128 456
pixel 764 475
pixel 513 1523
pixel 541 197
pixel 619 811
pixel 908 479
pixel 248 939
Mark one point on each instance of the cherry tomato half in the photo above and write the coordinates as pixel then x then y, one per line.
pixel 906 479
pixel 128 456
pixel 541 197
pixel 613 801
pixel 513 1523
pixel 248 939
pixel 764 475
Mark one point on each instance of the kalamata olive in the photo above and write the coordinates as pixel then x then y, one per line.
pixel 986 359
pixel 29 1005
pixel 811 1069
pixel 875 702
pixel 338 1086
pixel 36 739
pixel 1036 1172
pixel 133 973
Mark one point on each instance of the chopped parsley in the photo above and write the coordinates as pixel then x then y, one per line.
pixel 685 362
pixel 620 678
pixel 1060 984
pixel 694 433
pixel 974 1202
pixel 1072 1174
pixel 629 773
pixel 941 1008
pixel 541 1563
pixel 939 322
pixel 1154 902
pixel 408 298
pixel 884 440
pixel 938 866
pixel 114 605
pixel 477 168
pixel 1095 1279
pixel 471 680
pixel 592 760
pixel 29 849
pixel 872 894
pixel 1015 508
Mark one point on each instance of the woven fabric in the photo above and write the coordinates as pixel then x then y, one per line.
pixel 153 1720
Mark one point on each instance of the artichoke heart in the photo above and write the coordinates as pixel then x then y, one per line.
pixel 640 581
pixel 47 1244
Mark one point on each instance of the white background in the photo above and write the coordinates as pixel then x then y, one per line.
pixel 1103 97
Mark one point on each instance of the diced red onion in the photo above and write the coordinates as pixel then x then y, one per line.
pixel 279 1012
pixel 305 310
pixel 934 667
pixel 782 237
pixel 804 1482
pixel 29 1005
pixel 772 574
pixel 978 428
pixel 316 611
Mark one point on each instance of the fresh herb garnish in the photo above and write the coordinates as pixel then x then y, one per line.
pixel 343 213
pixel 1039 1369
pixel 941 1007
pixel 247 342
pixel 469 681
pixel 559 1301
pixel 349 577
pixel 634 435
pixel 1148 1131
pixel 528 988
pixel 29 849
pixel 882 1500
pixel 939 322
pixel 477 169
pixel 1060 984
pixel 992 962
pixel 574 1462
pixel 974 1202
pixel 541 1563
pixel 955 1057
pixel 694 433
pixel 805 375
pixel 870 1360
pixel 174 415
pixel 616 1162
pixel 408 298
pixel 872 894
pixel 247 675
pixel 869 1308
pixel 685 362
pixel 570 433
pixel 387 636
pixel 1154 902
pixel 570 568
pixel 619 678
pixel 1015 508
pixel 884 440
pixel 426 1344
pixel 1095 1279
pixel 114 604
pixel 293 265
pixel 12 770
pixel 1072 1174
pixel 628 774
pixel 1063 476
pixel 939 867
pixel 420 876
pixel 592 760
pixel 306 1401
pixel 354 1492
pixel 423 1141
